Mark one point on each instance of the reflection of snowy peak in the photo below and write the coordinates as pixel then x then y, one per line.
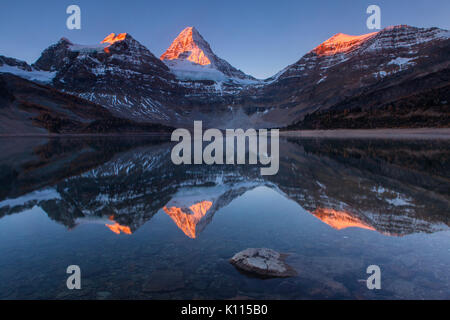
pixel 343 186
pixel 128 189
pixel 193 208
pixel 190 58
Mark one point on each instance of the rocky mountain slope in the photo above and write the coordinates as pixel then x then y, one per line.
pixel 369 71
pixel 397 77
pixel 28 107
pixel 119 73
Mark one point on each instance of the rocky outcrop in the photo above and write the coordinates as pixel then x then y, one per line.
pixel 263 262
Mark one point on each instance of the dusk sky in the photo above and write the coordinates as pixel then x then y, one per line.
pixel 259 37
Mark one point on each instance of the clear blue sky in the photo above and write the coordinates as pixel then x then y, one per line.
pixel 258 36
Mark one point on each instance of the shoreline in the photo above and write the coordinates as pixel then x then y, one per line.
pixel 401 133
pixel 410 133
pixel 70 135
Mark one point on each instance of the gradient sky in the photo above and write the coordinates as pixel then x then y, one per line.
pixel 260 37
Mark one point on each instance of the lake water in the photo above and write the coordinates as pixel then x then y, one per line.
pixel 140 227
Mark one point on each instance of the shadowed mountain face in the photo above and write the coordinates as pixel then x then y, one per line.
pixel 28 107
pixel 368 72
pixel 345 184
pixel 397 77
pixel 118 73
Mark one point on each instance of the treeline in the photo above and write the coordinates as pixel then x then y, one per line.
pixel 430 109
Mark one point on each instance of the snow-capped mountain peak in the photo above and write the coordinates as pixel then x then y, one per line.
pixel 189 45
pixel 190 57
pixel 112 38
pixel 358 66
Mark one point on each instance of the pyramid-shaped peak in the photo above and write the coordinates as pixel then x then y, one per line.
pixel 190 29
pixel 191 57
pixel 189 45
pixel 191 32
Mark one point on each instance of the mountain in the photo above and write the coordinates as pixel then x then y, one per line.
pixel 28 107
pixel 211 84
pixel 24 70
pixel 397 77
pixel 126 78
pixel 118 73
pixel 367 72
pixel 122 75
pixel 190 57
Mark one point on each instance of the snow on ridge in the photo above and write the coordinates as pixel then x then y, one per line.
pixel 402 61
pixel 186 70
pixel 87 48
pixel 321 80
pixel 411 37
pixel 34 75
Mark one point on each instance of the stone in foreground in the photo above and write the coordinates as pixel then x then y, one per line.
pixel 263 262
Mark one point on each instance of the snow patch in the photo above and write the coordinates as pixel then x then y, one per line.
pixel 34 75
pixel 88 48
pixel 402 61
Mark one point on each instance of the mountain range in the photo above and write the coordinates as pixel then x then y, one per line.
pixel 397 77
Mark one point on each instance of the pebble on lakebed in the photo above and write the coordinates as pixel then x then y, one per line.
pixel 263 262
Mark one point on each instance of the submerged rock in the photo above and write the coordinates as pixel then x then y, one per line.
pixel 264 262
pixel 164 281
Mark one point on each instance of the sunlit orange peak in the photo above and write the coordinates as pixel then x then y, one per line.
pixel 186 42
pixel 339 219
pixel 341 43
pixel 112 38
pixel 187 221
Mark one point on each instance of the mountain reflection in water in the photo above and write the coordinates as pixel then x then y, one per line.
pixel 117 228
pixel 396 188
pixel 187 219
pixel 339 219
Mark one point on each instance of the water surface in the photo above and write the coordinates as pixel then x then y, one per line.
pixel 140 227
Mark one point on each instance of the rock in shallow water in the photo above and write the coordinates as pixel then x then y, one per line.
pixel 264 262
pixel 164 281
